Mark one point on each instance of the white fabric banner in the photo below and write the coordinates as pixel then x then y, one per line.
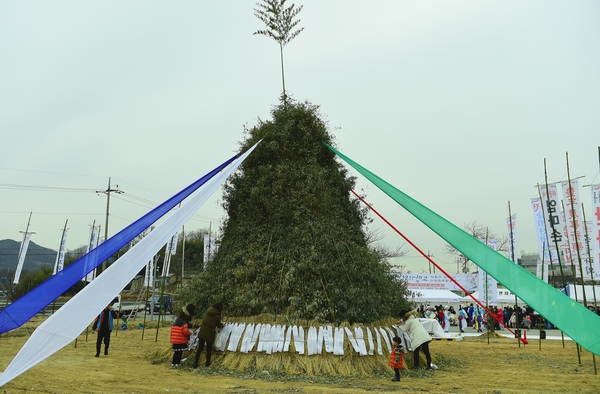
pixel 173 244
pixel 540 226
pixel 60 256
pixel 487 285
pixel 574 220
pixel 511 224
pixel 67 323
pixel 149 275
pixel 542 270
pixel 553 217
pixel 93 242
pixel 22 253
pixel 594 234
pixel 439 281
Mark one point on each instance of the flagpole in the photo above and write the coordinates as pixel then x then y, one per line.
pixel 182 252
pixel 587 240
pixel 546 245
pixel 512 257
pixel 58 257
pixel 575 229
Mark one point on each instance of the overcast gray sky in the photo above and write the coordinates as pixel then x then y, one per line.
pixel 455 103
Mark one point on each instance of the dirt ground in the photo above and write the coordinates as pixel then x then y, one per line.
pixel 469 366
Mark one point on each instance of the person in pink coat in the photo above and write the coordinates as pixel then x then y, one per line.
pixel 500 317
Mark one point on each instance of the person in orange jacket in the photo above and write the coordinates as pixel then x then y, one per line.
pixel 397 358
pixel 181 330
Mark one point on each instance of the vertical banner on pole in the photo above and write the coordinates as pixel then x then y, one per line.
pixel 60 256
pixel 511 223
pixel 94 231
pixel 594 234
pixel 554 223
pixel 542 270
pixel 168 253
pixel 173 246
pixel 149 277
pixel 574 222
pixel 540 227
pixel 22 253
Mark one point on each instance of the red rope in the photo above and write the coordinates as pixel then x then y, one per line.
pixel 493 315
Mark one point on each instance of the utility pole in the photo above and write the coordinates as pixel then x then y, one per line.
pixel 430 256
pixel 107 192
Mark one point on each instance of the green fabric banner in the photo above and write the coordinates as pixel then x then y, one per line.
pixel 572 318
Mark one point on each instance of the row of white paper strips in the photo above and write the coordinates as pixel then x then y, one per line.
pixel 277 338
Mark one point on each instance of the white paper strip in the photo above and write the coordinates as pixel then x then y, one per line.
pixel 338 342
pixel 379 340
pixel 311 342
pixel 236 336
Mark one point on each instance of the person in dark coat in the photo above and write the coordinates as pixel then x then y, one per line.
pixel 181 330
pixel 210 322
pixel 104 325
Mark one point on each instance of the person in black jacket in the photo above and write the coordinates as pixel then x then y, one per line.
pixel 104 325
pixel 210 322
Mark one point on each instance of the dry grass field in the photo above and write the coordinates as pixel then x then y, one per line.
pixel 140 366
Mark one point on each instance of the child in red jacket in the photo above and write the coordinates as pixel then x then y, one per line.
pixel 397 358
pixel 181 330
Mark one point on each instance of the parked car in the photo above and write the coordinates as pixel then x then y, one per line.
pixel 167 303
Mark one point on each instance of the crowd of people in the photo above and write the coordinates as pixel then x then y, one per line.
pixel 478 318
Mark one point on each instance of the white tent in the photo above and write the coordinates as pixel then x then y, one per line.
pixel 589 293
pixel 433 296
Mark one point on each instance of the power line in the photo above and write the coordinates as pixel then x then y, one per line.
pixel 44 188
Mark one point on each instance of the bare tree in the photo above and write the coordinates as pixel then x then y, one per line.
pixel 279 22
pixel 8 289
pixel 373 238
pixel 481 232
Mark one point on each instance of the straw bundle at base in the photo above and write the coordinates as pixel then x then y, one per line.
pixel 291 362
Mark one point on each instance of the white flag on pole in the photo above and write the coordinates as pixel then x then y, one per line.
pixel 60 256
pixel 574 219
pixel 540 227
pixel 542 270
pixel 173 244
pixel 149 277
pixel 22 253
pixel 94 231
pixel 554 221
pixel 594 234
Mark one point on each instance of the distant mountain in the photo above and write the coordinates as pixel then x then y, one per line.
pixel 36 256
